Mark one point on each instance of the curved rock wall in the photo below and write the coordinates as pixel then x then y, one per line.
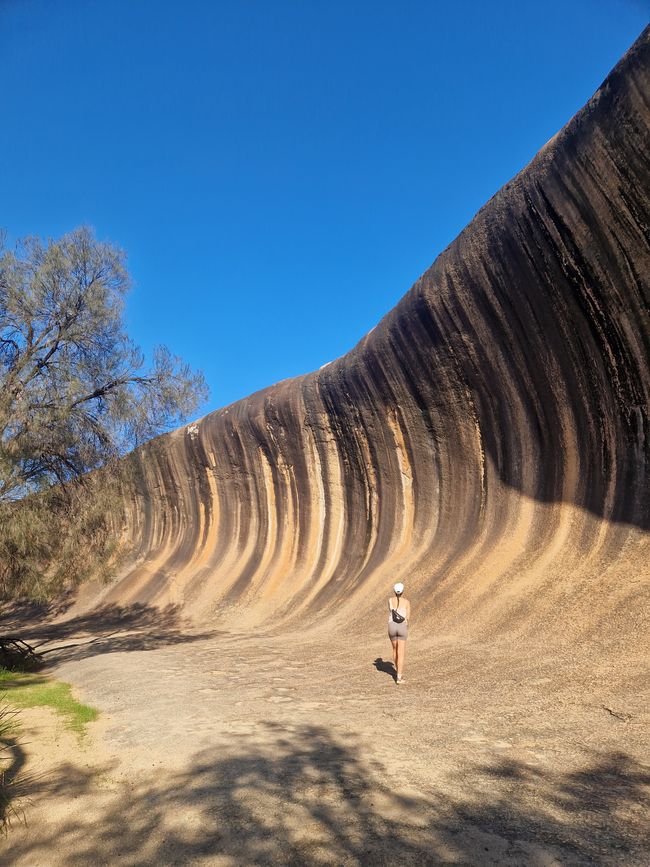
pixel 487 442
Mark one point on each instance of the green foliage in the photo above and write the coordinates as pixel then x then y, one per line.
pixel 33 690
pixel 74 396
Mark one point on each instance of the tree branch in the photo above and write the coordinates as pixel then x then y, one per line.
pixel 111 386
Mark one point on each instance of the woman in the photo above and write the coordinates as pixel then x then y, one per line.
pixel 398 632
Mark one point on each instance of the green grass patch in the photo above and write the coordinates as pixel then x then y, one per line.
pixel 35 690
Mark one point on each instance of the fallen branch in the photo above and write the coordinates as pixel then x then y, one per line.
pixel 17 655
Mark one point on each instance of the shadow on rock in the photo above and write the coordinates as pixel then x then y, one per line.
pixel 18 614
pixel 295 795
pixel 110 629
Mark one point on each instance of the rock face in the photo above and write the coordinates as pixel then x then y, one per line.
pixel 487 443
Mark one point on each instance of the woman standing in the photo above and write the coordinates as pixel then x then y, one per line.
pixel 399 614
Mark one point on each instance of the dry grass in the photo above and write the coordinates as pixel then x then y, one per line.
pixel 59 538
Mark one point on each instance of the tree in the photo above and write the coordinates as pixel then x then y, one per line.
pixel 74 395
pixel 73 388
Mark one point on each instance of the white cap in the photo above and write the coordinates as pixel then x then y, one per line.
pixel 398 588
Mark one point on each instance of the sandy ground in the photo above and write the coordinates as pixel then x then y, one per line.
pixel 226 749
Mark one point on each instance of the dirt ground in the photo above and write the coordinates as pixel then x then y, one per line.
pixel 233 749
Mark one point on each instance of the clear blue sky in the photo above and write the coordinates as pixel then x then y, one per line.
pixel 280 172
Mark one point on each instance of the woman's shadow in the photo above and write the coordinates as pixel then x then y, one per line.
pixel 386 667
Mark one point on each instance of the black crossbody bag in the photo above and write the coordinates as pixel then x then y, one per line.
pixel 397 617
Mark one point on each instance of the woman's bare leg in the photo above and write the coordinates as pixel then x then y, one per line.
pixel 401 653
pixel 394 642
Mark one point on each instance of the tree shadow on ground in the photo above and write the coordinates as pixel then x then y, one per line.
pixel 109 629
pixel 15 785
pixel 295 795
